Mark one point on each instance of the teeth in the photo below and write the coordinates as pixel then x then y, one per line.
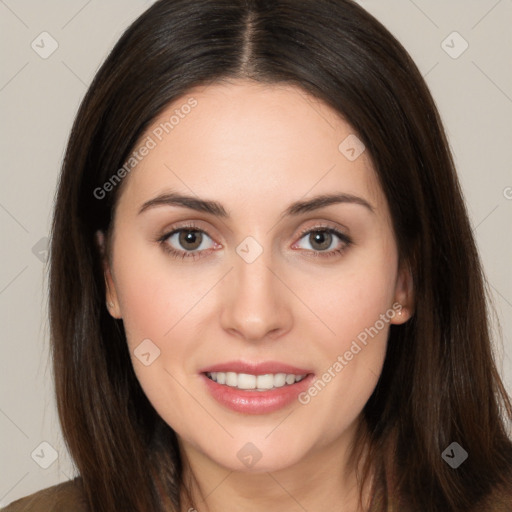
pixel 246 381
pixel 290 379
pixel 231 379
pixel 279 380
pixel 256 382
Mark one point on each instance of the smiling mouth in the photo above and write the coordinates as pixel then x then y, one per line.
pixel 249 382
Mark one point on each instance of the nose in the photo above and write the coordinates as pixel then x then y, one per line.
pixel 256 305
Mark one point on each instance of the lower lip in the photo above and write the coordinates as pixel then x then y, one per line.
pixel 256 402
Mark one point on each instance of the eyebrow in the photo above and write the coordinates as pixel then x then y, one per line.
pixel 215 208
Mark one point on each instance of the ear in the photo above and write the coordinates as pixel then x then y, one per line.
pixel 404 296
pixel 111 299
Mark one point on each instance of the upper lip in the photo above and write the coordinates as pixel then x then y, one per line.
pixel 262 368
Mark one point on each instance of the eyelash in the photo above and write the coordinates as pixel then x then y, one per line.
pixel 198 254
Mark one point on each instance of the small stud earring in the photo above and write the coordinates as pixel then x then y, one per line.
pixel 110 305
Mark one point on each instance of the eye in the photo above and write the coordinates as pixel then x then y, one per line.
pixel 186 242
pixel 324 241
pixel 191 242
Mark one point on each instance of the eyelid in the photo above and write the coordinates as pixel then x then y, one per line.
pixel 325 225
pixel 191 225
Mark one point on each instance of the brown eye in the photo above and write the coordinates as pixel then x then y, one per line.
pixel 187 241
pixel 324 241
pixel 190 240
pixel 320 240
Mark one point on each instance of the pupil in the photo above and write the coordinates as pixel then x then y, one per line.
pixel 190 237
pixel 323 238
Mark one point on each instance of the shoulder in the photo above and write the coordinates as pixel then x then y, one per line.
pixel 64 497
pixel 500 500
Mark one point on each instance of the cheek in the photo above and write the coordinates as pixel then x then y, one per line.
pixel 158 304
pixel 146 304
pixel 162 303
pixel 355 307
pixel 154 294
pixel 351 297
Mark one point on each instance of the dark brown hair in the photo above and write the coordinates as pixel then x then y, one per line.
pixel 439 382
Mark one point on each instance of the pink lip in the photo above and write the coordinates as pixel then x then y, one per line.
pixel 251 401
pixel 255 368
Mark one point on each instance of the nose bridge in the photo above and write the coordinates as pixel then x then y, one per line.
pixel 254 305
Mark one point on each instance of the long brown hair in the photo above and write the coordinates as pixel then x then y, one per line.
pixel 439 382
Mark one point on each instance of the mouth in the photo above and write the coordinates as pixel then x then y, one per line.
pixel 250 382
pixel 251 388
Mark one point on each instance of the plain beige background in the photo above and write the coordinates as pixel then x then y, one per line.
pixel 39 98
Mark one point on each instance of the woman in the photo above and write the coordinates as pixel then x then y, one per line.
pixel 265 291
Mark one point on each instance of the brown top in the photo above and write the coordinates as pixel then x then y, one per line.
pixel 65 497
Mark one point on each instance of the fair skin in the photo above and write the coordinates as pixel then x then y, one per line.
pixel 256 149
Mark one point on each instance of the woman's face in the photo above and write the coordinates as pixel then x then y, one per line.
pixel 263 283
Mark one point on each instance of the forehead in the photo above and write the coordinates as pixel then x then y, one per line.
pixel 245 144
